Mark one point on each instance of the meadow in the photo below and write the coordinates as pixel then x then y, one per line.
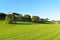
pixel 29 31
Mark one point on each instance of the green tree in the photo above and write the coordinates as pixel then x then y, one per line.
pixel 27 18
pixel 2 16
pixel 35 19
pixel 10 18
pixel 46 19
pixel 20 17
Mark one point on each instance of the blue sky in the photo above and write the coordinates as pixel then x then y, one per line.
pixel 41 8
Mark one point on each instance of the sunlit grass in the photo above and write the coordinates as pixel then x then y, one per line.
pixel 29 31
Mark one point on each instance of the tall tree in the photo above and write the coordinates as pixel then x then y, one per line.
pixel 35 19
pixel 27 17
pixel 2 16
pixel 20 17
pixel 10 18
pixel 47 19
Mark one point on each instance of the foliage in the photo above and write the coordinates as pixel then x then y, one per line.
pixel 19 17
pixel 35 19
pixel 27 18
pixel 47 19
pixel 2 16
pixel 10 19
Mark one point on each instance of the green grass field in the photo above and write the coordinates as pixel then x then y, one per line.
pixel 29 31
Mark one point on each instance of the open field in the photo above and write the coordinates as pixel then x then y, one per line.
pixel 29 31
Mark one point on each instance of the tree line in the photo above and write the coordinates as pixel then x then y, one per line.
pixel 12 17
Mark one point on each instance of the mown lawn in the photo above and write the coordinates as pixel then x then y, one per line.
pixel 29 31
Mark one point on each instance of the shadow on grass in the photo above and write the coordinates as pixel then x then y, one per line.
pixel 23 24
pixel 29 23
